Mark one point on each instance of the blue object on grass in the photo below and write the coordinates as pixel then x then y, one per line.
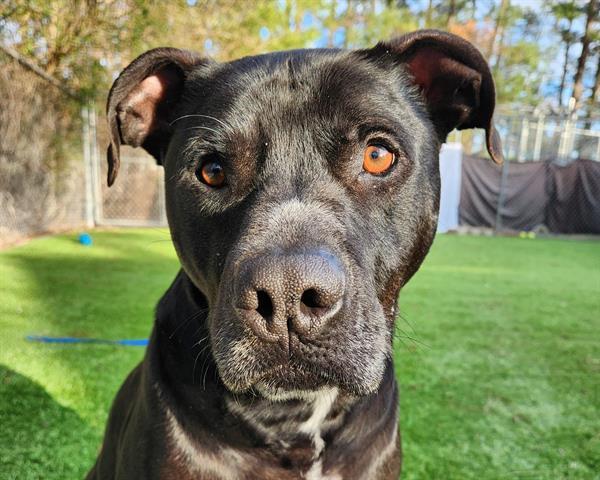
pixel 85 239
pixel 126 342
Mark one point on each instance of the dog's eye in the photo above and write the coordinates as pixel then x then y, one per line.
pixel 211 173
pixel 377 159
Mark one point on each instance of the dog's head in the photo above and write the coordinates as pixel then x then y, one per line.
pixel 302 192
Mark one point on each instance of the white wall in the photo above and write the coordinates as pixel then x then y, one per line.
pixel 450 171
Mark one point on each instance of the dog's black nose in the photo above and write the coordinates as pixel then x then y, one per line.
pixel 295 292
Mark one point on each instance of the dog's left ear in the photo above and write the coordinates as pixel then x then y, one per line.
pixel 453 78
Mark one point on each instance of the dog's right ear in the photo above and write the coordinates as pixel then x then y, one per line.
pixel 141 100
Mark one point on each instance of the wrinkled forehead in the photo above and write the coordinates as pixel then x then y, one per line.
pixel 303 92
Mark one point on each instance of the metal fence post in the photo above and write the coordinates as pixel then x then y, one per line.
pixel 566 139
pixel 501 196
pixel 523 140
pixel 539 136
pixel 87 168
pixel 511 147
pixel 95 166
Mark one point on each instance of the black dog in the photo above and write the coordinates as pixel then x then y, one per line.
pixel 302 194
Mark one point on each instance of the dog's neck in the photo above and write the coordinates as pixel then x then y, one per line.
pixel 299 431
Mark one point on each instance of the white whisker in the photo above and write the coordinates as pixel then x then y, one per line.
pixel 198 115
pixel 203 128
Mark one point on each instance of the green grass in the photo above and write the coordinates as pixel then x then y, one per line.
pixel 498 353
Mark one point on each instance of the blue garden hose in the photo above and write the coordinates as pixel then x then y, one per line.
pixel 126 342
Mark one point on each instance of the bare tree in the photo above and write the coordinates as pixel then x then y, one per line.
pixel 568 11
pixel 451 13
pixel 591 19
pixel 593 100
pixel 594 94
pixel 498 32
pixel 429 13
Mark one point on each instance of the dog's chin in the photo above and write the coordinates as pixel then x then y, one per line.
pixel 283 381
pixel 287 382
pixel 276 394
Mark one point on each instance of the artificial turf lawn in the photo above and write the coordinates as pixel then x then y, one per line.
pixel 497 353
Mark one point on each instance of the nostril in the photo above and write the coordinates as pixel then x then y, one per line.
pixel 265 305
pixel 310 299
pixel 315 304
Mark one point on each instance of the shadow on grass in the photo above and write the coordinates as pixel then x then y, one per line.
pixel 40 438
pixel 60 288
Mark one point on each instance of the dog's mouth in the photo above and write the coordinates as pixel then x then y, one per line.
pixel 294 377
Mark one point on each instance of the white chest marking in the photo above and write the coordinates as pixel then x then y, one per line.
pixel 322 404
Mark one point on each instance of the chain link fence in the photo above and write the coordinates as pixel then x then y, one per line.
pixel 137 197
pixel 530 136
pixel 549 183
pixel 52 164
pixel 42 184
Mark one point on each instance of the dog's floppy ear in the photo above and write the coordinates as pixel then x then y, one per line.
pixel 453 78
pixel 140 101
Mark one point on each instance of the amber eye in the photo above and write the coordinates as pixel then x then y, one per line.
pixel 212 173
pixel 377 159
